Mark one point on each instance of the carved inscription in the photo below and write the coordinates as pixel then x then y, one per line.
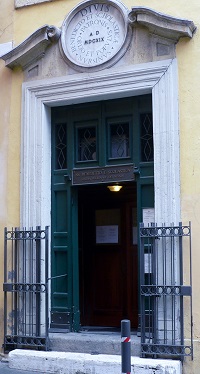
pixel 103 175
pixel 95 34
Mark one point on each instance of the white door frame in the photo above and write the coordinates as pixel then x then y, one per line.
pixel 158 78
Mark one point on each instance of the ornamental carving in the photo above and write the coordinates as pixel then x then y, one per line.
pixel 95 35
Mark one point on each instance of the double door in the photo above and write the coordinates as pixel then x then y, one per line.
pixel 94 280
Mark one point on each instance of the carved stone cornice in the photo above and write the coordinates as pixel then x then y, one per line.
pixel 162 24
pixel 32 48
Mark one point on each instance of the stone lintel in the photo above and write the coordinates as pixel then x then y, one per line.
pixel 162 24
pixel 32 48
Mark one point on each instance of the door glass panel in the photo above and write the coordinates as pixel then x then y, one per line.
pixel 146 138
pixel 61 146
pixel 87 144
pixel 119 140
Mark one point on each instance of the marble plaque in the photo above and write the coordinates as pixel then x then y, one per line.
pixel 93 33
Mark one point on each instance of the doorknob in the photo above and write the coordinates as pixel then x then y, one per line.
pixel 67 177
pixel 136 170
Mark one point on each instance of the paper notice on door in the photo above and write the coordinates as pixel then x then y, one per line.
pixel 107 234
pixel 148 216
pixel 147 263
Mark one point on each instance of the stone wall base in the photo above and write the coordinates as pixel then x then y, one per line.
pixel 74 363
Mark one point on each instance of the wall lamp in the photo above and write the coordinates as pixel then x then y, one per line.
pixel 114 188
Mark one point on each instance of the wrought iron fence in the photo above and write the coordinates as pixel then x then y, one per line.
pixel 165 260
pixel 25 288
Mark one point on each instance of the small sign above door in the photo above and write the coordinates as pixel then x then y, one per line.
pixel 107 174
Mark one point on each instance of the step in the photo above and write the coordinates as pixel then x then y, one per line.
pixel 81 363
pixel 108 343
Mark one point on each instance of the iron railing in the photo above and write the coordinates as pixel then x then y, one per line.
pixel 25 288
pixel 165 252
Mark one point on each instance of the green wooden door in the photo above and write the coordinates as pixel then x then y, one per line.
pixel 83 136
pixel 145 176
pixel 64 283
pixel 145 172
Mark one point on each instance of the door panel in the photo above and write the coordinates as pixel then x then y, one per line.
pixel 61 258
pixel 108 280
pixel 61 241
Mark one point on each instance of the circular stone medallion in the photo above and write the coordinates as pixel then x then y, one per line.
pixel 94 33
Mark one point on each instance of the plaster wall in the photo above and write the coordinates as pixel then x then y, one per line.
pixel 6 192
pixel 23 3
pixel 190 168
pixel 16 25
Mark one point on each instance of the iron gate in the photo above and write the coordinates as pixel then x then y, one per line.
pixel 165 252
pixel 25 289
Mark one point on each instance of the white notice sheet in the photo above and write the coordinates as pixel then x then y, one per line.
pixel 148 216
pixel 107 234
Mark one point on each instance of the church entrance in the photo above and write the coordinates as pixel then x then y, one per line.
pixel 94 231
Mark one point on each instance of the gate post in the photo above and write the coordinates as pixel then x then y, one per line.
pixel 126 346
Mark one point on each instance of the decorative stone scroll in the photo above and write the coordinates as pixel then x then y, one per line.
pixel 33 48
pixel 162 24
pixel 96 35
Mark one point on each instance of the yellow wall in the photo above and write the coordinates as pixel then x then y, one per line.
pixel 189 80
pixel 19 24
pixel 6 27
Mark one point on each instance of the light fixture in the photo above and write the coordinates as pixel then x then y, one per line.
pixel 114 188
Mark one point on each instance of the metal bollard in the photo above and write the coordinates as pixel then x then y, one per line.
pixel 126 346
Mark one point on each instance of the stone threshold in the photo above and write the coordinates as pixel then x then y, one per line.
pixel 92 342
